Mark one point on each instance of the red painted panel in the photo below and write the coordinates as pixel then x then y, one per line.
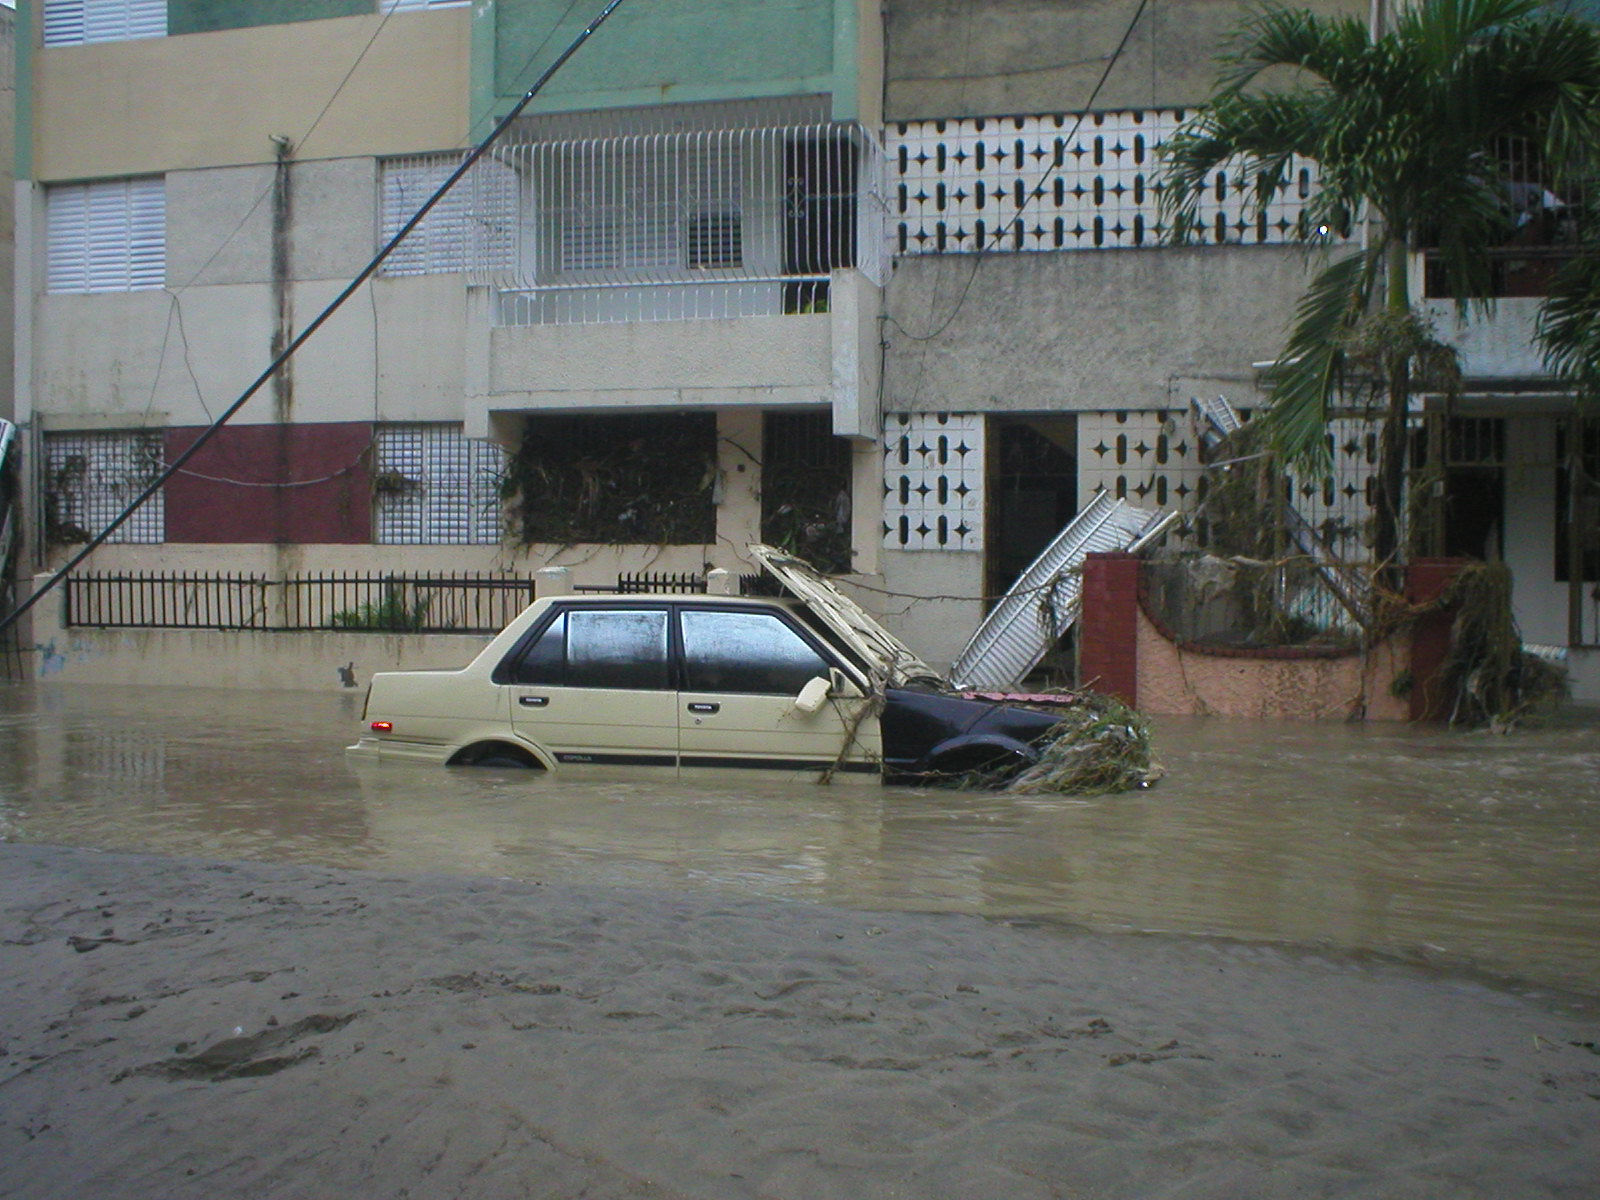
pixel 272 483
pixel 1108 655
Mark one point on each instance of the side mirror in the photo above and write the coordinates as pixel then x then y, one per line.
pixel 813 696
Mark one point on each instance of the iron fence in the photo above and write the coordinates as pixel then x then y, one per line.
pixel 375 602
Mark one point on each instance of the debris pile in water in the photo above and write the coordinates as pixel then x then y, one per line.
pixel 1099 745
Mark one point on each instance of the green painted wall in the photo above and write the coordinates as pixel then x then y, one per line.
pixel 203 16
pixel 665 51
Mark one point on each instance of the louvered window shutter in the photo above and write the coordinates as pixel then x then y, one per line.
pixel 73 22
pixel 439 243
pixel 109 236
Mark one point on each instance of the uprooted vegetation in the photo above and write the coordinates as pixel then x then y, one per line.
pixel 614 480
pixel 1097 747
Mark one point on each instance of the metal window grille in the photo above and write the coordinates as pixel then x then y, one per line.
pixel 89 478
pixel 685 223
pixel 74 22
pixel 1062 181
pixel 433 486
pixel 108 236
pixel 473 223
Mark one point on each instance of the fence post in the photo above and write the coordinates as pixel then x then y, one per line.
pixel 722 583
pixel 1108 629
pixel 552 581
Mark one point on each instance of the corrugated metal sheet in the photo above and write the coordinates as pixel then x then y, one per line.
pixel 1046 600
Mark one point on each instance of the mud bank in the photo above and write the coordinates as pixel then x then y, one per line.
pixel 174 1028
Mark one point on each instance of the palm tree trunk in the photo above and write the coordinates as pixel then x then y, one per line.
pixel 1392 448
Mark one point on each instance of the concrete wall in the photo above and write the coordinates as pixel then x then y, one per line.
pixel 215 99
pixel 672 51
pixel 1499 345
pixel 202 16
pixel 206 658
pixel 1086 329
pixel 936 602
pixel 957 58
pixel 394 352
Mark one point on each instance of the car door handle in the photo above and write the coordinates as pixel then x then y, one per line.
pixel 702 706
pixel 533 701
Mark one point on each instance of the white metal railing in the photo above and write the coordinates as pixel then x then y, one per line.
pixel 675 225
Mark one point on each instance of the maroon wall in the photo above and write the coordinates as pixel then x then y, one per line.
pixel 272 483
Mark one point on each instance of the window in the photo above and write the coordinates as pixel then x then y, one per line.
pixel 546 660
pixel 625 479
pixel 434 486
pixel 439 243
pixel 109 236
pixel 746 652
pixel 599 648
pixel 74 22
pixel 644 204
pixel 89 478
pixel 473 223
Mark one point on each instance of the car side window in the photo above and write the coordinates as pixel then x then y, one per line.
pixel 745 652
pixel 545 661
pixel 623 648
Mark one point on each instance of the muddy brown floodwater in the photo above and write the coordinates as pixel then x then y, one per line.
pixel 1471 851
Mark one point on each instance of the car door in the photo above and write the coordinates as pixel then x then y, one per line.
pixel 742 672
pixel 593 687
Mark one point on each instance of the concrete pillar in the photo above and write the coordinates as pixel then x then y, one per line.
pixel 1108 654
pixel 552 581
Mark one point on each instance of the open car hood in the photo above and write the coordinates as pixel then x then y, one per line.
pixel 847 619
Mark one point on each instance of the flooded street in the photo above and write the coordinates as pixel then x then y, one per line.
pixel 1467 850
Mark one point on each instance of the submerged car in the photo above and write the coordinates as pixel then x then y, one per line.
pixel 801 686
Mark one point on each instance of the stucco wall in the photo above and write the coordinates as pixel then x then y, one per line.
pixel 953 58
pixel 393 352
pixel 1172 680
pixel 1086 329
pixel 1497 345
pixel 668 51
pixel 663 364
pixel 214 99
pixel 922 606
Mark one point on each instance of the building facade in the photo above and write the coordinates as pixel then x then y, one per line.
pixel 885 285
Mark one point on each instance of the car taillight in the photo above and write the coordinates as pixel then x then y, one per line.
pixel 382 726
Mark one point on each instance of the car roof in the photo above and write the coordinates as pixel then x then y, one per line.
pixel 673 598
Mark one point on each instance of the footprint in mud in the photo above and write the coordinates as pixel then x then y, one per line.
pixel 265 1053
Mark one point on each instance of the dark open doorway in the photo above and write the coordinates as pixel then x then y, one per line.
pixel 1033 491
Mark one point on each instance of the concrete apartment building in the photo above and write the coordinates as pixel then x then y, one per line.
pixel 886 284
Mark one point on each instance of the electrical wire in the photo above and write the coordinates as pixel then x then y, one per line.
pixel 321 318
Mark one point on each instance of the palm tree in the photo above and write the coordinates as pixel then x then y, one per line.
pixel 1405 127
pixel 1569 319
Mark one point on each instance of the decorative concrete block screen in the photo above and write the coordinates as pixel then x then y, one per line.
pixel 933 481
pixel 1059 182
pixel 1151 458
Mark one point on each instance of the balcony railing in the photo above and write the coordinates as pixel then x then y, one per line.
pixel 675 224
